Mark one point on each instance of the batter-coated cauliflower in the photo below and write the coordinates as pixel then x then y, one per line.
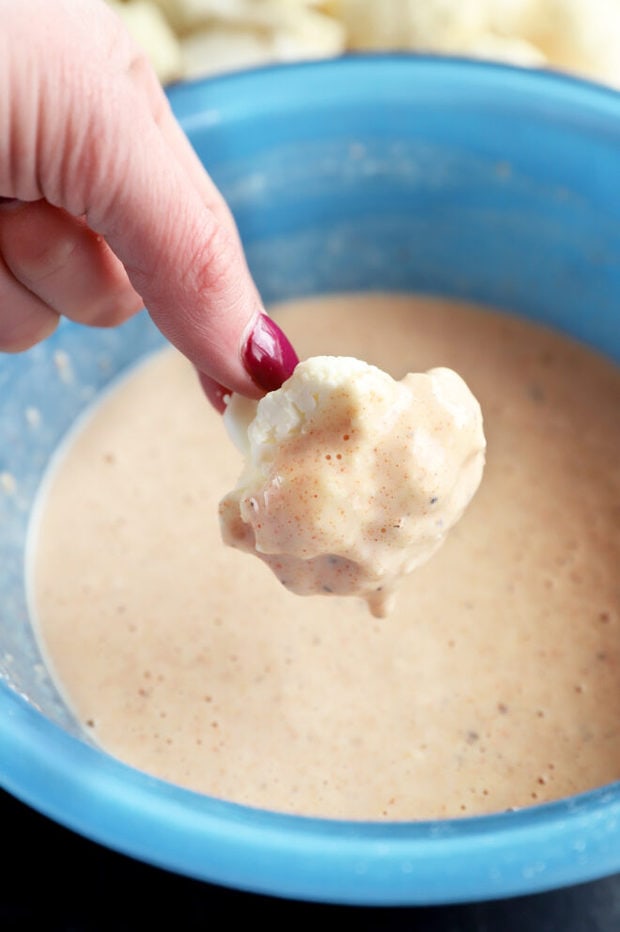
pixel 352 479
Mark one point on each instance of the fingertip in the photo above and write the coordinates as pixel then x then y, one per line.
pixel 268 359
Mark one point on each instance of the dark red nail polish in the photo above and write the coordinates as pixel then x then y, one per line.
pixel 268 356
pixel 216 393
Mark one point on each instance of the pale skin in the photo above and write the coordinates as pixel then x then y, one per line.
pixel 105 208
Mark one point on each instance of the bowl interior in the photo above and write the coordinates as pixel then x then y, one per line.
pixel 439 176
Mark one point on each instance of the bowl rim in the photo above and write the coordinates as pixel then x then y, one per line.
pixel 364 863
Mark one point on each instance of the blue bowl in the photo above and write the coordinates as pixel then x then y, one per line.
pixel 393 173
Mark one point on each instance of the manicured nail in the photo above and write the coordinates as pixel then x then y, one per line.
pixel 268 355
pixel 216 393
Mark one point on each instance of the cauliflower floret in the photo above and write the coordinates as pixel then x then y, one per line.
pixel 577 36
pixel 440 25
pixel 352 479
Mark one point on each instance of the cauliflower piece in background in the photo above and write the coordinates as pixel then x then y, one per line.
pixel 578 36
pixel 191 38
pixel 433 25
pixel 275 31
pixel 304 34
pixel 195 38
pixel 508 49
pixel 215 36
pixel 352 479
pixel 222 48
pixel 188 15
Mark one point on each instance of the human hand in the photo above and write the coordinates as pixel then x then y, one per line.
pixel 106 207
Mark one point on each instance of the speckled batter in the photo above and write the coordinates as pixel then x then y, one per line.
pixel 352 479
pixel 494 684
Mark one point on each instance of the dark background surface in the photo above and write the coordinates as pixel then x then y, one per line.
pixel 53 879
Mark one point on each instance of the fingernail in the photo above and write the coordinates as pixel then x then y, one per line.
pixel 216 393
pixel 268 355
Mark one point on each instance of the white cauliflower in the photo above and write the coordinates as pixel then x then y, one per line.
pixel 189 38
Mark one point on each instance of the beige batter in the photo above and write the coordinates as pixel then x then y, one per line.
pixel 494 684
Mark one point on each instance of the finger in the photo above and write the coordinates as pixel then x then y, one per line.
pixel 24 318
pixel 185 155
pixel 179 247
pixel 186 263
pixel 180 146
pixel 82 135
pixel 183 152
pixel 67 266
pixel 209 305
